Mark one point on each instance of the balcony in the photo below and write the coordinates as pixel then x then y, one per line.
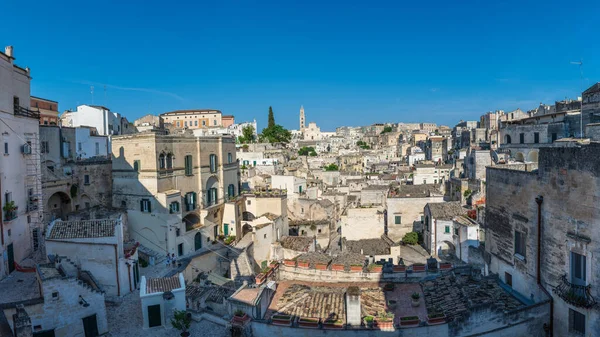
pixel 11 214
pixel 24 112
pixel 577 295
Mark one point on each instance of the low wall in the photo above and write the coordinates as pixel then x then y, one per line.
pixel 264 329
pixel 301 274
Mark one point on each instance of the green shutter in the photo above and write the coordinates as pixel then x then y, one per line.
pixel 142 205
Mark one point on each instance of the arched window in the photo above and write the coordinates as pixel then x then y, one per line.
pixel 170 161
pixel 507 139
pixel 161 161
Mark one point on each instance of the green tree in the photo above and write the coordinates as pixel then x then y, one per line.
pixel 386 129
pixel 276 134
pixel 247 134
pixel 271 123
pixel 307 151
pixel 411 238
pixel 181 321
pixel 331 167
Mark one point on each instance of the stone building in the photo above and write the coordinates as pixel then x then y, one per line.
pixel 47 109
pixel 542 233
pixel 312 132
pixel 148 122
pixel 430 174
pixel 437 149
pixel 475 163
pixel 20 172
pixel 193 119
pixel 160 298
pixel 174 188
pixel 106 122
pixel 438 227
pixel 405 206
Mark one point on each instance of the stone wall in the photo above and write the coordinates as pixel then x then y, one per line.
pixel 263 329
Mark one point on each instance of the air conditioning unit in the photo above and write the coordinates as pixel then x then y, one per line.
pixel 26 149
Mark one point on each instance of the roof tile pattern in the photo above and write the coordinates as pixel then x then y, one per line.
pixel 84 229
pixel 162 284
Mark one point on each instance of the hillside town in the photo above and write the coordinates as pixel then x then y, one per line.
pixel 196 223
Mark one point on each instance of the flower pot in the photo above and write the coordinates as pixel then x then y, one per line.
pixel 385 324
pixel 445 266
pixel 240 319
pixel 391 304
pixel 308 322
pixel 321 266
pixel 283 320
pixel 409 321
pixel 333 324
pixel 418 268
pixel 289 263
pixel 376 269
pixel 399 269
pixel 337 267
pixel 356 269
pixel 436 319
pixel 260 278
pixel 302 264
pixel 388 287
pixel 184 334
pixel 415 303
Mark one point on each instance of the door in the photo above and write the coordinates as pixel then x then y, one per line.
pixel 46 333
pixel 226 229
pixel 154 316
pixel 11 258
pixel 90 326
pixel 198 241
pixel 136 274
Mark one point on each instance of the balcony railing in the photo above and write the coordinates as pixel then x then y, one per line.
pixel 10 215
pixel 577 295
pixel 24 112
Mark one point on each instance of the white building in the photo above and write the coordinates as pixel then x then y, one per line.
pixel 292 184
pixel 90 144
pixel 466 234
pixel 438 227
pixel 312 132
pixel 430 174
pixel 97 246
pixel 20 174
pixel 236 129
pixel 105 121
pixel 160 298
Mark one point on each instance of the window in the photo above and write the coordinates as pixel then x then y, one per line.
pixel 576 322
pixel 5 148
pixel 87 205
pixel 213 163
pixel 455 231
pixel 215 122
pixel 578 269
pixel 249 202
pixel 211 196
pixel 398 219
pixel 188 165
pixel 185 124
pixel 229 158
pixel 86 179
pixel 16 102
pixel 123 204
pixel 231 190
pixel 203 123
pixel 79 146
pixel 145 205
pixel 508 279
pixel 265 236
pixel 422 219
pixel 55 294
pixel 97 149
pixel 522 138
pixel 190 201
pixel 302 210
pixel 180 249
pixel 45 147
pixel 136 165
pixel 169 161
pixel 536 137
pixel 554 136
pixel 161 161
pixel 520 244
pixel 196 123
pixel 174 207
pixel 447 229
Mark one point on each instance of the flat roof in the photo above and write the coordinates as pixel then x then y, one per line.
pixel 191 111
pixel 43 99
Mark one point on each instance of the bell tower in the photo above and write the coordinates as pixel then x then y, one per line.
pixel 302 119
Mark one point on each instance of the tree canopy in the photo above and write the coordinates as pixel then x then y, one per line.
pixel 331 167
pixel 275 133
pixel 307 151
pixel 247 134
pixel 386 129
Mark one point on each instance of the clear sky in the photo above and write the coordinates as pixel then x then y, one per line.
pixel 348 62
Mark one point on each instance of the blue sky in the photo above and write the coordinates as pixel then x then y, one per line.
pixel 348 63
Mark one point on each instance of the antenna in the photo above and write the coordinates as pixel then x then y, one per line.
pixel 580 64
pixel 92 92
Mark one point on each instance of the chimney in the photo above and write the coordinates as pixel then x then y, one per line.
pixel 353 306
pixel 8 50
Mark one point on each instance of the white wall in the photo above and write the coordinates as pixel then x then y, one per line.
pixel 87 144
pixel 166 307
pixel 291 183
pixel 362 223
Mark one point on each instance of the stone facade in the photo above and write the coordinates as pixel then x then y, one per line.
pixel 566 181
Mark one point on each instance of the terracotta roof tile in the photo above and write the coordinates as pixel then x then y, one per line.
pixel 162 284
pixel 82 229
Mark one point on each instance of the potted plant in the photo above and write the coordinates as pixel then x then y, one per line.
pixel 388 287
pixel 333 323
pixel 375 268
pixel 416 299
pixel 260 278
pixel 10 210
pixel 337 267
pixel 391 304
pixel 385 320
pixel 409 321
pixel 303 264
pixel 356 267
pixel 436 318
pixel 369 321
pixel 181 321
pixel 281 319
pixel 321 266
pixel 399 268
pixel 418 267
pixel 445 266
pixel 239 317
pixel 289 262
pixel 308 322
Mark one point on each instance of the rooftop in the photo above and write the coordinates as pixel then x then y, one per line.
pixel 81 229
pixel 465 221
pixel 246 295
pixel 162 284
pixel 313 258
pixel 297 243
pixel 446 210
pixel 18 287
pixel 191 111
pixel 369 247
pixel 415 191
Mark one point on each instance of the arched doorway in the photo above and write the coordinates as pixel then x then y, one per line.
pixel 198 241
pixel 59 205
pixel 246 229
pixel 212 195
pixel 532 157
pixel 247 216
pixel 446 248
pixel 507 139
pixel 191 221
pixel 520 157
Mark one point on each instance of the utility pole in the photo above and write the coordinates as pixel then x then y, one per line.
pixel 580 64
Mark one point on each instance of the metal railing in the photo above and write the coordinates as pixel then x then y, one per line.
pixel 24 112
pixel 577 295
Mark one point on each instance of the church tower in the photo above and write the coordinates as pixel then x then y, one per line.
pixel 302 119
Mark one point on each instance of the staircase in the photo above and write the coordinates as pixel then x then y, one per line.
pixel 157 257
pixel 33 189
pixel 241 265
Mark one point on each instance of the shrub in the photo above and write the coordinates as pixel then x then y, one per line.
pixel 239 313
pixel 369 319
pixel 143 263
pixel 415 296
pixel 181 320
pixel 411 238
